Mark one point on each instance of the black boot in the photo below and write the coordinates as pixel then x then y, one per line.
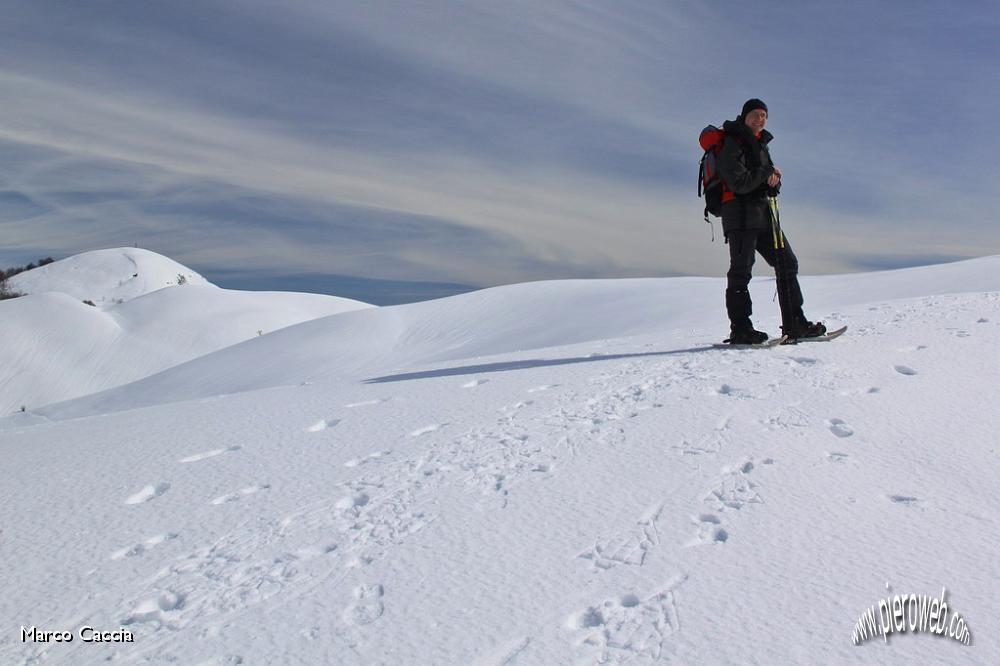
pixel 804 329
pixel 746 336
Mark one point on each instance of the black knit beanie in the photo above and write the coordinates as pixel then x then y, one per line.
pixel 752 104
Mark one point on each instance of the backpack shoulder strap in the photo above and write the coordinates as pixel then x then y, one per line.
pixel 753 157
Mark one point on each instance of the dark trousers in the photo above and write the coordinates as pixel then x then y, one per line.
pixel 743 247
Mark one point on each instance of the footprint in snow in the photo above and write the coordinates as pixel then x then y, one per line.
pixel 905 370
pixel 545 387
pixel 366 403
pixel 354 462
pixel 155 609
pixel 224 660
pixel 356 500
pixel 427 429
pixel 208 454
pixel 839 428
pixel 710 530
pixel 836 456
pixel 239 494
pixel 474 383
pixel 630 546
pixel 628 628
pixel 143 546
pixel 148 493
pixel 367 606
pixel 728 390
pixel 905 500
pixel 864 390
pixel 322 424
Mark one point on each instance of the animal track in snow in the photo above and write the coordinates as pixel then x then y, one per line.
pixel 627 628
pixel 367 606
pixel 322 424
pixel 143 546
pixel 905 370
pixel 839 428
pixel 148 493
pixel 208 454
pixel 239 494
pixel 629 547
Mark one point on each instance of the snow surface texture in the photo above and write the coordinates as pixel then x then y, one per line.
pixel 549 473
pixel 149 313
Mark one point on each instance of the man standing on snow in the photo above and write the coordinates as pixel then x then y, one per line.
pixel 750 177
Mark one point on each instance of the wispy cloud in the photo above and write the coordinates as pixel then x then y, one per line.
pixel 481 142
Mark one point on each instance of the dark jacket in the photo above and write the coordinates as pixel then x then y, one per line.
pixel 744 166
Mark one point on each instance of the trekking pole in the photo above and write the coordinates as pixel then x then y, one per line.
pixel 779 237
pixel 784 299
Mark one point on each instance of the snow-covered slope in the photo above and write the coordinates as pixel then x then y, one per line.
pixel 370 343
pixel 599 486
pixel 57 347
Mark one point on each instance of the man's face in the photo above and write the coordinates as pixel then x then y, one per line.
pixel 756 120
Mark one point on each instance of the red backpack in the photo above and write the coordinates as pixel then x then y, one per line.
pixel 709 182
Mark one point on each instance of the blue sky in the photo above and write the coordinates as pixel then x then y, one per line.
pixel 275 144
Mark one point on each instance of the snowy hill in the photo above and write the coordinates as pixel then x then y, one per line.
pixel 57 347
pixel 549 473
pixel 107 277
pixel 379 341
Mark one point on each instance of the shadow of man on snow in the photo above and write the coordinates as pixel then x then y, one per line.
pixel 523 365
